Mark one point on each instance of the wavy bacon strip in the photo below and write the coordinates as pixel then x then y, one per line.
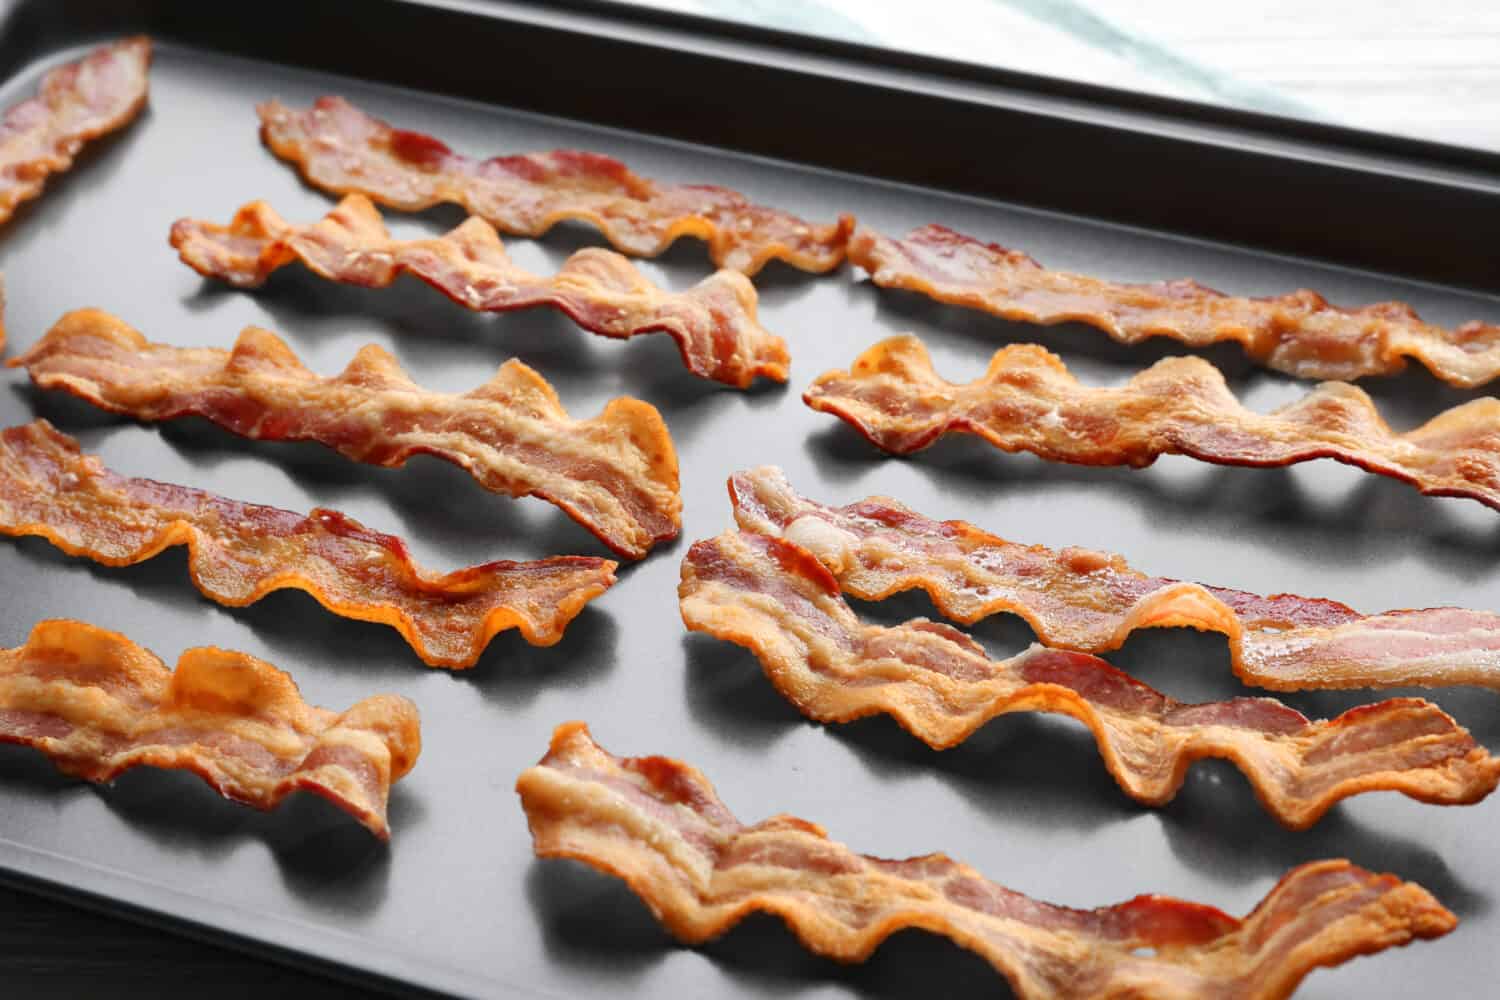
pixel 77 102
pixel 713 323
pixel 1300 333
pixel 342 150
pixel 1028 401
pixel 658 824
pixel 99 705
pixel 615 474
pixel 240 552
pixel 1091 601
pixel 778 600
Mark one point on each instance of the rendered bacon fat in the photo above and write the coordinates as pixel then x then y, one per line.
pixel 340 149
pixel 77 102
pixel 778 600
pixel 658 824
pixel 99 705
pixel 240 552
pixel 1300 333
pixel 1028 401
pixel 616 474
pixel 713 323
pixel 1091 601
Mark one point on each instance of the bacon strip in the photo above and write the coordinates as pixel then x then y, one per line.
pixel 99 705
pixel 713 323
pixel 1091 601
pixel 1300 333
pixel 778 600
pixel 658 824
pixel 342 150
pixel 1027 401
pixel 77 102
pixel 615 474
pixel 240 552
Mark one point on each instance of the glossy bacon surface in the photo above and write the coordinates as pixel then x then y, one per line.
pixel 658 824
pixel 343 150
pixel 1028 401
pixel 1091 601
pixel 99 705
pixel 77 102
pixel 240 552
pixel 713 322
pixel 616 474
pixel 1300 333
pixel 776 599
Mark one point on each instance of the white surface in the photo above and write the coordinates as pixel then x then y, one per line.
pixel 1426 69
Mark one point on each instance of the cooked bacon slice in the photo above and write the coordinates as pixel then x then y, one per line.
pixel 1300 333
pixel 659 825
pixel 1028 401
pixel 240 552
pixel 77 102
pixel 713 323
pixel 99 705
pixel 1091 601
pixel 615 474
pixel 339 148
pixel 778 600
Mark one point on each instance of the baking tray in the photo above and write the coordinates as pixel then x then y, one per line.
pixel 1084 178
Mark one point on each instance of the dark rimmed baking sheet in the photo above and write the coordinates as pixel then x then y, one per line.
pixel 456 903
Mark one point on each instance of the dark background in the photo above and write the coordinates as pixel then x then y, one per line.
pixel 53 949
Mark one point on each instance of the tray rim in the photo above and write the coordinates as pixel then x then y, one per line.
pixel 1347 179
pixel 1144 109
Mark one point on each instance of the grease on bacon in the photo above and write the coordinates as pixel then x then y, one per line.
pixel 77 102
pixel 1091 601
pixel 343 150
pixel 240 552
pixel 659 825
pixel 713 323
pixel 98 705
pixel 776 599
pixel 1300 333
pixel 1028 401
pixel 615 474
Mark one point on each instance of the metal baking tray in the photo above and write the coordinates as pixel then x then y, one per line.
pixel 1083 178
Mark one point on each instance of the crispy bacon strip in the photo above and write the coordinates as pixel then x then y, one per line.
pixel 240 552
pixel 713 323
pixel 1028 401
pixel 615 474
pixel 77 102
pixel 658 824
pixel 99 705
pixel 1091 601
pixel 1300 333
pixel 339 148
pixel 778 600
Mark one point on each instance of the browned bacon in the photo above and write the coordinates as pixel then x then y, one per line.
pixel 340 149
pixel 99 705
pixel 658 824
pixel 1300 333
pixel 1091 601
pixel 778 600
pixel 1028 401
pixel 713 323
pixel 240 552
pixel 77 102
pixel 616 474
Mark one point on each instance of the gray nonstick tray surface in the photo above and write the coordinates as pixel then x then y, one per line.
pixel 456 902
